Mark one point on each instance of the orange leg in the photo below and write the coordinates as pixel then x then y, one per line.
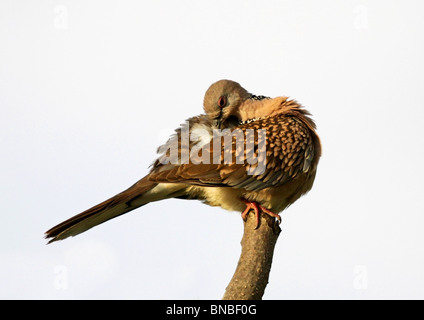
pixel 257 208
pixel 251 205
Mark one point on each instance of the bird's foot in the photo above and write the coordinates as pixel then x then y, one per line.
pixel 257 208
pixel 251 205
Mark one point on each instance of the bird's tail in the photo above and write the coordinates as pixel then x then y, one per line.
pixel 142 192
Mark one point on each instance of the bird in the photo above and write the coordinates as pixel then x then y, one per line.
pixel 277 135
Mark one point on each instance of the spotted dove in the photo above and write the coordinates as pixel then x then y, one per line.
pixel 268 160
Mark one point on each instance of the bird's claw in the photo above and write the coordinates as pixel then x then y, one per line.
pixel 257 208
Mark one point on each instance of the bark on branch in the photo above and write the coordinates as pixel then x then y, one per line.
pixel 251 276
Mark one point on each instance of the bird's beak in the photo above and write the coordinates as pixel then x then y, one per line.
pixel 217 123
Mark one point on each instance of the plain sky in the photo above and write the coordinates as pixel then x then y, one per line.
pixel 90 89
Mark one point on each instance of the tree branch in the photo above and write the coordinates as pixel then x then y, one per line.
pixel 251 276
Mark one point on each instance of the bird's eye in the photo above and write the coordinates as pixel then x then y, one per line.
pixel 222 102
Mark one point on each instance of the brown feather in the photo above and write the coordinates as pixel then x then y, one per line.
pixel 290 132
pixel 109 209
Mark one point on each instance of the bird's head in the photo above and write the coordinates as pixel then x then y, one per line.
pixel 222 101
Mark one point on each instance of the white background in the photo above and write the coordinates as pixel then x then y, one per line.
pixel 89 89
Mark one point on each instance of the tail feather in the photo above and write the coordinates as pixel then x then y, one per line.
pixel 142 192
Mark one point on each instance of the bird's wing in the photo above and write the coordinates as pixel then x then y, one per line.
pixel 252 165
